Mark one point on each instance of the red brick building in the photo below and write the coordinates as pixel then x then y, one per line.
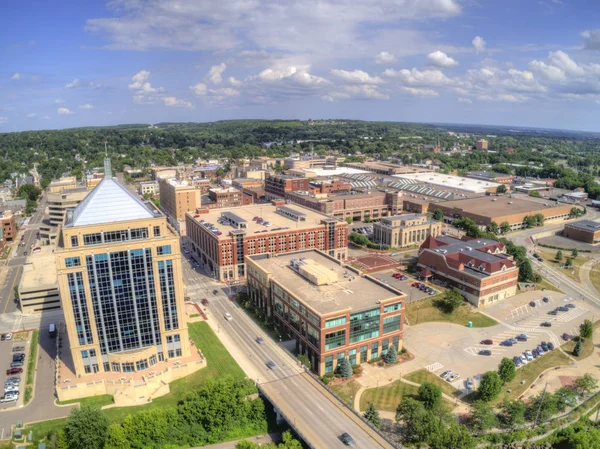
pixel 329 186
pixel 221 197
pixel 478 267
pixel 221 240
pixel 276 186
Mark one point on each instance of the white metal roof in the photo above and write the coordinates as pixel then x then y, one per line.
pixel 107 203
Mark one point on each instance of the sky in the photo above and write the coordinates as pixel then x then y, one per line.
pixel 73 63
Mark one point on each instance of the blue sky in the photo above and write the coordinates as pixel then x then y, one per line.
pixel 511 62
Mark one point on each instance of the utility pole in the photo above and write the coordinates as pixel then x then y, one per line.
pixel 537 415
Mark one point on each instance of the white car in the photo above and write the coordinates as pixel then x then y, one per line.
pixel 11 389
pixel 228 316
pixel 453 377
pixel 470 383
pixel 10 397
pixel 9 336
pixel 523 359
pixel 529 355
pixel 445 374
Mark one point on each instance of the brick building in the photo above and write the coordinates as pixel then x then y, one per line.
pixel 277 186
pixel 478 267
pixel 221 197
pixel 221 239
pixel 587 231
pixel 329 186
pixel 332 311
pixel 405 230
pixel 9 226
pixel 482 144
pixel 177 197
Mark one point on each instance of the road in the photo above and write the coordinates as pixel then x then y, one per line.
pixel 314 413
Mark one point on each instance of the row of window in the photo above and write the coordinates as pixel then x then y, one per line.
pixel 121 235
pixel 352 355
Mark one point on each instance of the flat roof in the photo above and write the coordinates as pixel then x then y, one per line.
pixel 335 171
pixel 267 212
pixel 585 225
pixel 499 206
pixel 404 217
pixel 40 270
pixel 354 292
pixel 448 181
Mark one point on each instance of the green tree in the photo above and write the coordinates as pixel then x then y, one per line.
pixel 490 386
pixel 559 255
pixel 587 329
pixel 304 360
pixel 545 403
pixel 577 349
pixel 501 189
pixel 574 252
pixel 586 383
pixel 569 262
pixel 391 355
pixel 507 370
pixel 451 300
pixel 345 368
pixel 349 220
pixel 29 191
pixel 535 194
pixel 438 215
pixel 513 413
pixel 529 221
pixel 504 227
pixel 57 439
pixel 86 428
pixel 372 415
pixel 482 416
pixel 493 227
pixel 566 397
pixel 117 438
pixel 525 270
pixel 430 395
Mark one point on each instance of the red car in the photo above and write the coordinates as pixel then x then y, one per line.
pixel 415 284
pixel 566 337
pixel 12 371
pixel 204 301
pixel 487 342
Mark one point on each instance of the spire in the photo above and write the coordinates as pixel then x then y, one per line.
pixel 107 165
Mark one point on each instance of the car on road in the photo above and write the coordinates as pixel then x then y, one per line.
pixel 347 439
pixel 453 377
pixel 570 306
pixel 487 342
pixel 470 383
pixel 260 340
pixel 228 316
pixel 532 304
pixel 10 397
pixel 271 364
pixel 546 324
pixel 204 301
pixel 10 372
pixel 485 352
pixel 566 337
pixel 445 374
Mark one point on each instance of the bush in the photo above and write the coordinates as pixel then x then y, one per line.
pixel 577 349
pixel 391 355
pixel 430 395
pixel 451 300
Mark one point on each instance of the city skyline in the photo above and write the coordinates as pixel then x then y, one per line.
pixel 534 64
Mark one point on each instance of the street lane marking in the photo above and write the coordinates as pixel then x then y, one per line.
pixel 434 367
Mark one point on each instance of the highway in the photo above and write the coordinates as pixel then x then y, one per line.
pixel 314 413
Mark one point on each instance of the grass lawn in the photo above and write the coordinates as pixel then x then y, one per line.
pixel 33 347
pixel 387 397
pixel 6 252
pixel 219 364
pixel 423 376
pixel 347 391
pixel 425 311
pixel 595 276
pixel 549 257
pixel 99 401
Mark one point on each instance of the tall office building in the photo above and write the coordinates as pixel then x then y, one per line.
pixel 119 275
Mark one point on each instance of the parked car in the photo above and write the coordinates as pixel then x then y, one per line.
pixel 11 389
pixel 470 383
pixel 347 439
pixel 563 309
pixel 546 324
pixel 517 361
pixel 522 337
pixel 10 372
pixel 514 341
pixel 529 355
pixel 487 342
pixel 445 374
pixel 523 359
pixel 553 312
pixel 215 292
pixel 535 353
pixel 415 284
pixel 570 306
pixel 10 397
pixel 544 346
pixel 3 337
pixel 14 379
pixel 506 343
pixel 545 299
pixel 16 364
pixel 485 352
pixel 9 336
pixel 18 348
pixel 566 337
pixel 204 302
pixel 532 304
pixel 541 350
pixel 453 377
pixel 550 345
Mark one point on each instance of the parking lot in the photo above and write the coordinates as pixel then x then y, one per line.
pixel 413 293
pixel 445 346
pixel 6 354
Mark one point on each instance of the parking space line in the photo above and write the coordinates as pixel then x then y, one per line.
pixel 434 367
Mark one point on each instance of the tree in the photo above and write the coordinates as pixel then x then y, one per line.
pixel 559 255
pixel 349 220
pixel 372 415
pixel 577 349
pixel 529 221
pixel 501 189
pixel 29 191
pixel 451 300
pixel 391 355
pixel 587 329
pixel 438 215
pixel 482 416
pixel 86 428
pixel 490 386
pixel 568 262
pixel 545 403
pixel 586 383
pixel 117 438
pixel 493 227
pixel 504 227
pixel 535 194
pixel 304 360
pixel 507 370
pixel 566 397
pixel 57 439
pixel 525 270
pixel 345 368
pixel 574 253
pixel 513 413
pixel 430 395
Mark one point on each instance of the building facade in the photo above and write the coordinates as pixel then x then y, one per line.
pixel 9 226
pixel 178 197
pixel 276 186
pixel 38 287
pixel 119 275
pixel 148 188
pixel 57 204
pixel 405 230
pixel 331 310
pixel 587 231
pixel 478 267
pixel 222 240
pixel 482 144
pixel 222 197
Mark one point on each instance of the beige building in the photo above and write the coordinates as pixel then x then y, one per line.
pixel 66 182
pixel 119 274
pixel 38 289
pixel 57 205
pixel 148 188
pixel 405 230
pixel 177 197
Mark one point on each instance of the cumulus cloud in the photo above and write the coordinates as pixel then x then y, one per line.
pixel 479 44
pixel 177 103
pixel 356 76
pixel 59 101
pixel 215 72
pixel 144 93
pixel 16 77
pixel 385 58
pixel 441 59
pixel 86 106
pixel 420 92
pixel 358 92
pixel 63 111
pixel 419 78
pixel 82 84
pixel 465 100
pixel 591 40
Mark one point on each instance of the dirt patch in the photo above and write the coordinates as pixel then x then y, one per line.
pixel 372 263
pixel 567 381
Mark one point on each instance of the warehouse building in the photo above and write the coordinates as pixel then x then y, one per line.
pixel 587 231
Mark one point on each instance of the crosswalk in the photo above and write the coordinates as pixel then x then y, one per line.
pixel 565 317
pixel 434 367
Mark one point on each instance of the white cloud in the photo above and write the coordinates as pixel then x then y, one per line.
pixel 59 101
pixel 356 92
pixel 418 78
pixel 79 84
pixel 464 100
pixel 479 44
pixel 356 76
pixel 199 89
pixel 420 92
pixel 86 106
pixel 144 93
pixel 16 76
pixel 385 58
pixel 63 111
pixel 591 40
pixel 3 119
pixel 31 115
pixel 441 59
pixel 215 72
pixel 174 102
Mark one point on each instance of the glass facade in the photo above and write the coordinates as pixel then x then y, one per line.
pixel 167 293
pixel 335 340
pixel 80 309
pixel 364 325
pixel 392 307
pixel 391 324
pixel 335 322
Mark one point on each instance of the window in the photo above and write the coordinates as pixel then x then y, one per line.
pixel 139 233
pixel 128 367
pixel 116 367
pixel 74 241
pixel 364 325
pixel 72 262
pixel 152 360
pixel 374 349
pixel 106 366
pixel 391 324
pixel 395 342
pixel 84 354
pixel 335 321
pixel 156 231
pixel 392 307
pixel 141 365
pixel 92 239
pixel 335 340
pixel 161 357
pixel 163 250
pixel 329 364
pixel 352 356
